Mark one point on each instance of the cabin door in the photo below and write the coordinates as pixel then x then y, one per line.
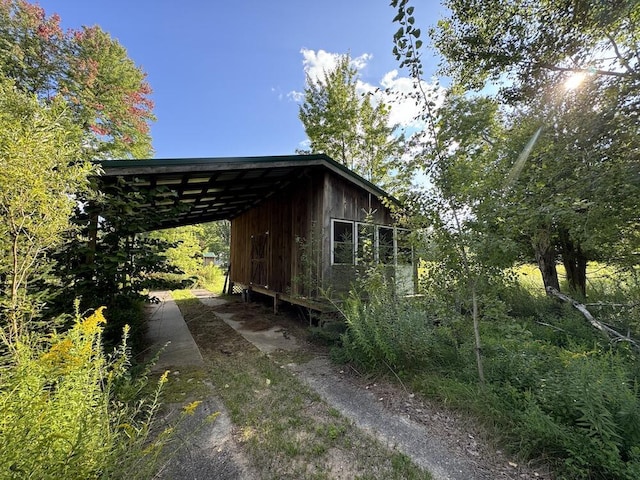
pixel 260 246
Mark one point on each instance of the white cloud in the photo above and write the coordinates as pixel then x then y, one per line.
pixel 315 64
pixel 393 89
pixel 404 107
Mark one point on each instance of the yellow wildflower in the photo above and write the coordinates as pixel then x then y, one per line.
pixel 60 354
pixel 189 409
pixel 90 325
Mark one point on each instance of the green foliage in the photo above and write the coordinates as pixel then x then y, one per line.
pixel 64 412
pixel 215 237
pixel 555 388
pixel 385 331
pixel 210 277
pixel 350 129
pixel 186 251
pixel 87 69
pixel 569 161
pixel 585 412
pixel 525 41
pixel 38 180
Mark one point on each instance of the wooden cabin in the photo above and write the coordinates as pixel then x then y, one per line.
pixel 311 238
pixel 300 224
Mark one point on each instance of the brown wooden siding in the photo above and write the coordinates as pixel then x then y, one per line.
pixel 300 216
pixel 286 217
pixel 344 201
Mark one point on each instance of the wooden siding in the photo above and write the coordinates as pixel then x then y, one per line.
pixel 344 201
pixel 298 222
pixel 286 217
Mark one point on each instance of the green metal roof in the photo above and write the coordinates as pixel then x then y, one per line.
pixel 187 191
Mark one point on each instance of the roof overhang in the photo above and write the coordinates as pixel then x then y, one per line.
pixel 175 192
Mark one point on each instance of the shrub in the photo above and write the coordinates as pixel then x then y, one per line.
pixel 585 414
pixel 210 277
pixel 60 411
pixel 555 388
pixel 385 331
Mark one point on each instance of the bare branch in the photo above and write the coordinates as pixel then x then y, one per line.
pixel 619 56
pixel 610 73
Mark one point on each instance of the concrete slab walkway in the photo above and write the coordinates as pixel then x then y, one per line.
pixel 167 327
pixel 202 449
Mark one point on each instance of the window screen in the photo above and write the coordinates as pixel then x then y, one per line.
pixel 342 243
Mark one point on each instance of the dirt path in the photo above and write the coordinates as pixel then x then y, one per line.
pixel 440 442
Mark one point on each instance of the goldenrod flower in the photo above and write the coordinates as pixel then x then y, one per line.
pixel 90 325
pixel 189 409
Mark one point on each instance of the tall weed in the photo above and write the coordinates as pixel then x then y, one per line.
pixel 61 415
pixel 387 331
pixel 556 389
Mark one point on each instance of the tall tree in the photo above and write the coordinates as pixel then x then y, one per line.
pixel 585 161
pixel 524 41
pixel 106 92
pixel 350 128
pixel 107 101
pixel 39 177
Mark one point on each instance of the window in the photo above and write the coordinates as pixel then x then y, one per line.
pixel 385 245
pixel 366 244
pixel 342 242
pixel 405 251
pixel 363 243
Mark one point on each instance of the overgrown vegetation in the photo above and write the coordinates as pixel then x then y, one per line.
pixel 70 411
pixel 556 390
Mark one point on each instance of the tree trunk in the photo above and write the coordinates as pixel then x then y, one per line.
pixel 546 259
pixel 575 264
pixel 476 332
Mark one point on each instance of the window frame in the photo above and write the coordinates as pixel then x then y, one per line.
pixel 393 248
pixel 334 242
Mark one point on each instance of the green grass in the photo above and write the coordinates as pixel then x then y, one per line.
pixel 556 388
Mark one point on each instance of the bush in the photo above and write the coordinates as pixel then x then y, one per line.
pixel 587 415
pixel 61 415
pixel 555 388
pixel 210 277
pixel 385 331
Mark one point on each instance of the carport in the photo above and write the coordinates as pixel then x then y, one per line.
pixel 295 220
pixel 197 190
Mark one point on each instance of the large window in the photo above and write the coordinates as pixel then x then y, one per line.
pixel 385 245
pixel 342 244
pixel 363 243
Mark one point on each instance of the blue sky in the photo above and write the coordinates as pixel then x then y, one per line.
pixel 224 74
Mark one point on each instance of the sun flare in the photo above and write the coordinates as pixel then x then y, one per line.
pixel 574 80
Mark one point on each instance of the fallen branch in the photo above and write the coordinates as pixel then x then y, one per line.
pixel 545 324
pixel 609 332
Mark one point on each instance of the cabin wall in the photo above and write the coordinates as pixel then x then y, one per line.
pixel 345 201
pixel 292 231
pixel 276 228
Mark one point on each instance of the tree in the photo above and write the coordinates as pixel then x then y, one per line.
pixel 524 41
pixel 107 108
pixel 583 163
pixel 216 237
pixel 351 129
pixel 186 252
pixel 105 91
pixel 39 178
